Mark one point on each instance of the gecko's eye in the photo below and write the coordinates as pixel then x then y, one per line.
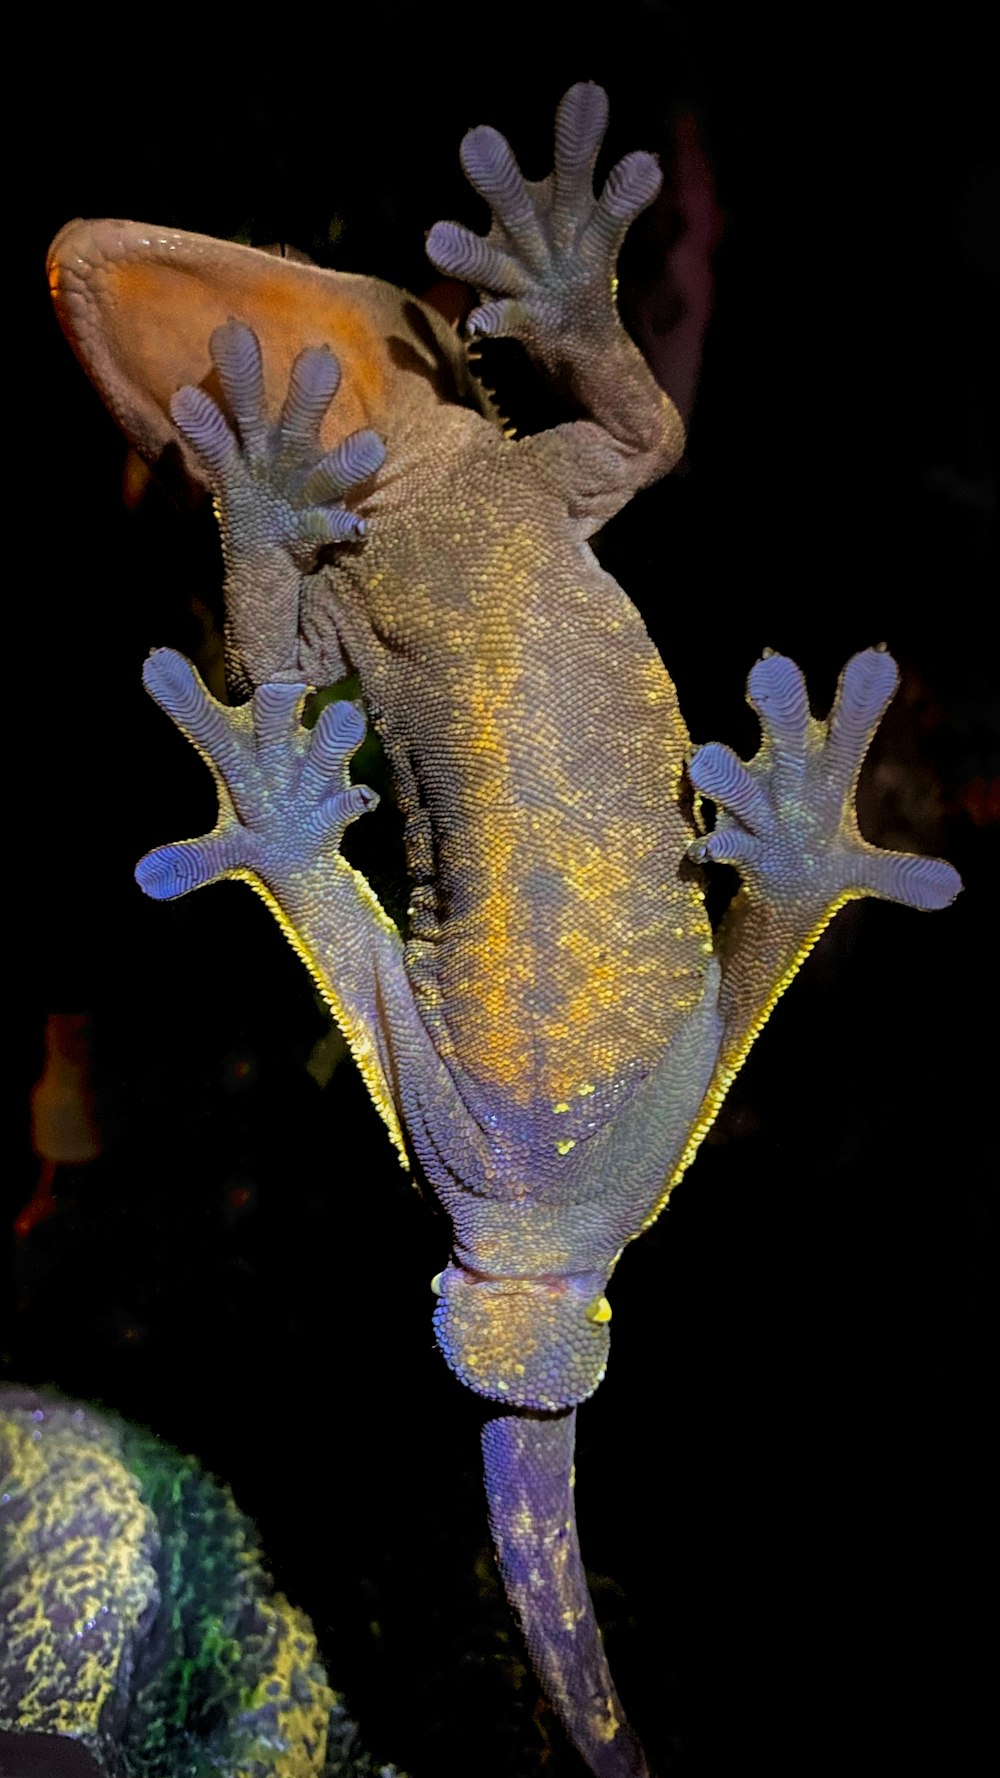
pixel 599 1310
pixel 531 1342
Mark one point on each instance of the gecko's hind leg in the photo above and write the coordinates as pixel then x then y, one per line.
pixel 787 821
pixel 547 268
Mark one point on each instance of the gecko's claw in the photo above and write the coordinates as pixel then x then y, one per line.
pixel 867 688
pixel 581 121
pixel 717 772
pixel 354 460
pixel 284 791
pixel 776 690
pixel 726 845
pixel 494 320
pixel 312 386
pixel 927 884
pixel 204 426
pixel 316 527
pixel 235 351
pixel 172 682
pixel 174 870
pixel 787 818
pixel 629 189
pixel 461 254
pixel 490 165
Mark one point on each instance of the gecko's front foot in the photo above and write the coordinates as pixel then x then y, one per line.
pixel 787 819
pixel 284 794
pixel 280 499
pixel 549 259
pixel 273 482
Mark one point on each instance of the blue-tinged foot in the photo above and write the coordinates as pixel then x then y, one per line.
pixel 274 480
pixel 280 500
pixel 284 794
pixel 548 261
pixel 786 819
pixel 547 272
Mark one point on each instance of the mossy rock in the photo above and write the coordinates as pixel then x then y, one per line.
pixel 140 1633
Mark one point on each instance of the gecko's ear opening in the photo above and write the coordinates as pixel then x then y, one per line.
pixel 530 1342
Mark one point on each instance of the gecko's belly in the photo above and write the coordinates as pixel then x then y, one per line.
pixel 566 938
pixel 566 953
pixel 539 752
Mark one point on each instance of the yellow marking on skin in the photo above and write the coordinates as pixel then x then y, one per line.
pixel 607 1725
pixel 563 866
pixel 563 1105
pixel 587 1087
pixel 523 1523
pixel 599 1310
pixel 436 1283
pixel 487 700
pixel 564 1147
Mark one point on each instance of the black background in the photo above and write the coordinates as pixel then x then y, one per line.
pixel 783 1478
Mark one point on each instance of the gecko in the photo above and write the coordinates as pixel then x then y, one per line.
pixel 552 1035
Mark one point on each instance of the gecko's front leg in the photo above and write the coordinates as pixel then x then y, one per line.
pixel 548 271
pixel 279 500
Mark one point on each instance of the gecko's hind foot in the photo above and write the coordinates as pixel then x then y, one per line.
pixel 275 486
pixel 548 261
pixel 786 819
pixel 284 791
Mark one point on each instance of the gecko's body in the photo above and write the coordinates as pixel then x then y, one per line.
pixel 529 835
pixel 555 1035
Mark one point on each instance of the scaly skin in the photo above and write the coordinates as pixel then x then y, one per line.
pixel 556 1036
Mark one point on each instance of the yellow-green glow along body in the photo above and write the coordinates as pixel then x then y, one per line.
pixel 558 1030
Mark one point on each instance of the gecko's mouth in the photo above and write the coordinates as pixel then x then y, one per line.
pixel 554 1281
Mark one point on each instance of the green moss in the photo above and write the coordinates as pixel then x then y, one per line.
pixel 177 1659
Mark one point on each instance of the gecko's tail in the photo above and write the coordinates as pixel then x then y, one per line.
pixel 528 1464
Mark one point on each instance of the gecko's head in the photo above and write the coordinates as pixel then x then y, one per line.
pixel 530 1342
